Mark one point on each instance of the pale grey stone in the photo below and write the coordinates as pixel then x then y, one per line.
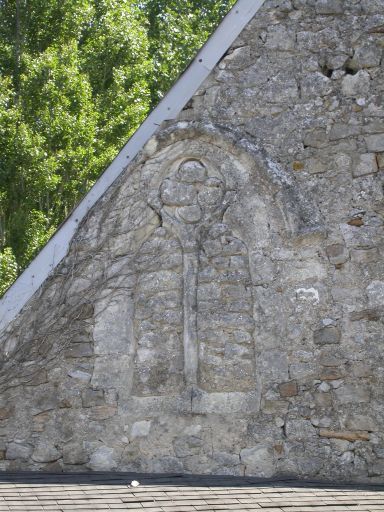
pixel 360 422
pixel 375 292
pixel 366 164
pixel 300 429
pixel 178 194
pixel 316 84
pixel 350 393
pixel 92 397
pixel 167 464
pixel 375 143
pixel 18 451
pixel 192 171
pixel 103 459
pixel 80 375
pixel 366 56
pixel 74 454
pixel 324 387
pixel 329 6
pixel 236 253
pixel 278 38
pixel 190 214
pixel 46 452
pixel 364 255
pixel 258 461
pixel 356 85
pixel 140 429
pixel 112 330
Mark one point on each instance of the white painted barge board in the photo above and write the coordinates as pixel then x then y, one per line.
pixel 171 105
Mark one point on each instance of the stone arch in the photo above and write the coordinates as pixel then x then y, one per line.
pixel 299 214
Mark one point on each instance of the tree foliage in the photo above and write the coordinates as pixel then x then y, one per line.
pixel 77 77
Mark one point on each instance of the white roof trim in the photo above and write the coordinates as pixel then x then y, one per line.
pixel 169 108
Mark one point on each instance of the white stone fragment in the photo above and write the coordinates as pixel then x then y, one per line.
pixel 78 374
pixel 324 387
pixel 308 295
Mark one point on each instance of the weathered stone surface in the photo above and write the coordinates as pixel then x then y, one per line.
pixel 375 292
pixel 103 459
pixel 288 389
pixel 364 256
pixel 80 350
pixel 258 461
pixel 74 454
pixel 299 429
pixel 356 85
pixel 327 335
pixel 337 254
pixel 352 393
pixel 367 164
pixel 5 413
pixel 18 451
pixel 220 309
pixel 375 143
pixel 360 422
pixel 45 452
pixel 92 397
pixel 329 7
pixel 103 412
pixel 140 429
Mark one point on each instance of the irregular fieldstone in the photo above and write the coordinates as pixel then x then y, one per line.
pixel 364 255
pixel 356 85
pixel 299 429
pixel 361 422
pixel 353 393
pixel 103 412
pixel 375 293
pixel 327 336
pixel 278 38
pixel 92 397
pixel 80 375
pixel 18 451
pixel 288 389
pixel 331 374
pixel 45 452
pixel 74 454
pixel 329 6
pixel 375 143
pixel 367 56
pixel 337 254
pixel 367 164
pixel 140 429
pixel 103 459
pixel 79 350
pixel 258 461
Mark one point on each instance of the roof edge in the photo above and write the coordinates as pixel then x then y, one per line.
pixel 170 106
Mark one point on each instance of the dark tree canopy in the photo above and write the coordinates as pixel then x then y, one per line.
pixel 77 77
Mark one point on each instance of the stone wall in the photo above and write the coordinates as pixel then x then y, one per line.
pixel 221 308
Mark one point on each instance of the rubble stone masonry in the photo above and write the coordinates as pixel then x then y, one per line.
pixel 221 308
